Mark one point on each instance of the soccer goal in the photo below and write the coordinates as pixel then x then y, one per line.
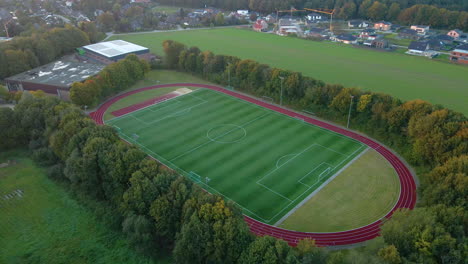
pixel 267 99
pixel 194 176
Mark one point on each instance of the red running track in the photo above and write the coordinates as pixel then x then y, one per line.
pixel 407 198
pixel 144 104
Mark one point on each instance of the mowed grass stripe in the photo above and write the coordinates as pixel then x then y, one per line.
pixel 261 137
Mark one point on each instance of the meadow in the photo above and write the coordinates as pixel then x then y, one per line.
pixel 41 223
pixel 406 77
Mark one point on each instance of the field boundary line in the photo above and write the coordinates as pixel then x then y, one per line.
pixel 275 192
pixel 210 140
pixel 160 102
pixel 301 203
pixel 300 180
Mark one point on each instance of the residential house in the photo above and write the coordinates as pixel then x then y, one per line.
pixel 243 12
pixel 460 54
pixel 315 18
pixel 455 33
pixel 408 33
pixel 271 18
pixel 260 25
pixel 463 38
pixel 346 39
pixel 435 44
pixel 422 30
pixel 418 48
pixel 383 26
pixel 316 32
pixel 288 26
pixel 380 43
pixel 366 33
pixel 140 1
pixel 446 39
pixel 357 24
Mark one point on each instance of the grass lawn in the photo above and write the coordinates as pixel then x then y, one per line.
pixel 152 78
pixel 393 39
pixel 264 161
pixel 363 193
pixel 406 77
pixel 44 225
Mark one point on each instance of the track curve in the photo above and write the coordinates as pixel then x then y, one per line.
pixel 407 198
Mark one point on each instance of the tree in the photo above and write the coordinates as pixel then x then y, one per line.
pixel 390 254
pixel 268 250
pixel 84 93
pixel 8 129
pixel 393 11
pixel 172 50
pixel 139 231
pixel 219 19
pixel 106 21
pixel 377 11
pixel 363 8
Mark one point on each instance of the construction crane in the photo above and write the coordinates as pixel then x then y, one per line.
pixel 324 11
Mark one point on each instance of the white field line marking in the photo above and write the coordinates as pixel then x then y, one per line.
pixel 207 142
pixel 281 114
pixel 319 189
pixel 300 180
pixel 285 207
pixel 296 155
pixel 167 162
pixel 175 114
pixel 331 150
pixel 151 105
pixel 277 162
pixel 275 192
pixel 155 111
pixel 311 187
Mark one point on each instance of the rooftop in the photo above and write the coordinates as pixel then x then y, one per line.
pixel 59 73
pixel 114 48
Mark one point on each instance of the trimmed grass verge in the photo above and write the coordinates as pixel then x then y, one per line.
pixel 363 193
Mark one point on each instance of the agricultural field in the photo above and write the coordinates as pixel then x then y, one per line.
pixel 266 162
pixel 41 223
pixel 403 76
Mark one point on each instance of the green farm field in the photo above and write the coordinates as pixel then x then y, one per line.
pixel 406 77
pixel 264 161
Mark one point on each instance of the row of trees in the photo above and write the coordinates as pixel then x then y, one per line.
pixel 431 137
pixel 24 53
pixel 114 78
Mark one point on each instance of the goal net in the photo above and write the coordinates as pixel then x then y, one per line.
pixel 194 177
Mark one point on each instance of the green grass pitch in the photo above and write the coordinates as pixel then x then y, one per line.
pixel 404 76
pixel 264 161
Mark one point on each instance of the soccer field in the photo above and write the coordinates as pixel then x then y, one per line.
pixel 264 161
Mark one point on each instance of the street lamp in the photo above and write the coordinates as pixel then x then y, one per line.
pixel 281 93
pixel 229 75
pixel 349 112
